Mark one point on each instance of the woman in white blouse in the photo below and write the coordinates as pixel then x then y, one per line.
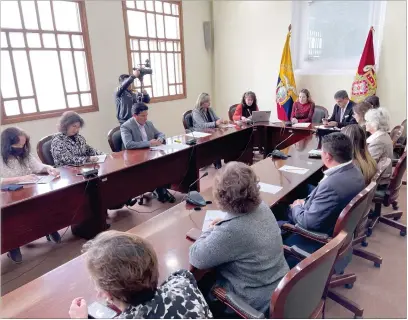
pixel 18 165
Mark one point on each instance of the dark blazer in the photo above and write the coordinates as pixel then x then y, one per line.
pixel 347 118
pixel 324 205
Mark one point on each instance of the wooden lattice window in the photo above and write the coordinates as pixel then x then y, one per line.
pixel 154 31
pixel 46 64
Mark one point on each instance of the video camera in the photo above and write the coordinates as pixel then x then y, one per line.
pixel 145 69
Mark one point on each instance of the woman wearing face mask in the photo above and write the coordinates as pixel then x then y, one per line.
pixel 68 147
pixel 246 107
pixel 19 165
pixel 125 271
pixel 303 109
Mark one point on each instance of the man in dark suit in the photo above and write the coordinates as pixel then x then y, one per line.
pixel 139 133
pixel 342 112
pixel 342 181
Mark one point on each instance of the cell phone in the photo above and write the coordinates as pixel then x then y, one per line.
pixel 99 311
pixel 11 187
pixel 193 234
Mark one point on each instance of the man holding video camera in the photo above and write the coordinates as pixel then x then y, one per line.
pixel 125 98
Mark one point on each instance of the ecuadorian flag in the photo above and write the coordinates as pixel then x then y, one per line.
pixel 286 87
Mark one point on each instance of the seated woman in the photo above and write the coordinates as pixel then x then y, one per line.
pixel 379 143
pixel 374 101
pixel 19 165
pixel 204 117
pixel 125 271
pixel 245 247
pixel 361 156
pixel 68 147
pixel 246 107
pixel 359 111
pixel 303 109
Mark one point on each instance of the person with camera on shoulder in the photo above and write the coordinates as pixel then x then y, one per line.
pixel 125 98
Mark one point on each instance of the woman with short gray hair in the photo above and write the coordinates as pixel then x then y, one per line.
pixel 379 143
pixel 245 247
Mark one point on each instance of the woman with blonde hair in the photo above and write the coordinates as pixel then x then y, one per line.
pixel 361 157
pixel 203 115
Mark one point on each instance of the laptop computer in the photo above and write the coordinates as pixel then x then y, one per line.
pixel 261 116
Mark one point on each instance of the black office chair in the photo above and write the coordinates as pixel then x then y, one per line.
pixel 116 145
pixel 319 114
pixel 44 150
pixel 188 120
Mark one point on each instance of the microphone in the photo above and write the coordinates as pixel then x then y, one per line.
pixel 279 154
pixel 192 141
pixel 195 198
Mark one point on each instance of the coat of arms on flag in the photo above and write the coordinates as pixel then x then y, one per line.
pixel 365 81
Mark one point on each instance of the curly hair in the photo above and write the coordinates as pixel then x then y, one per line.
pixel 67 119
pixel 9 137
pixel 236 188
pixel 122 264
pixel 249 94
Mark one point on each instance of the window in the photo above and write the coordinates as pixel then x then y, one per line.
pixel 154 31
pixel 45 60
pixel 329 36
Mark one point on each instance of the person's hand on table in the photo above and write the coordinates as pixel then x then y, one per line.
pixel 53 172
pixel 78 309
pixel 93 159
pixel 298 202
pixel 155 143
pixel 244 118
pixel 214 222
pixel 218 122
pixel 225 121
pixel 28 178
pixel 294 120
pixel 332 124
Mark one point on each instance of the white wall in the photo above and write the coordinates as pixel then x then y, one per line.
pixel 108 47
pixel 249 39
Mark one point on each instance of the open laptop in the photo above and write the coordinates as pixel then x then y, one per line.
pixel 261 116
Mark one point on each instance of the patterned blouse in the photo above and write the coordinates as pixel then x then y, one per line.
pixel 71 150
pixel 14 168
pixel 303 112
pixel 177 298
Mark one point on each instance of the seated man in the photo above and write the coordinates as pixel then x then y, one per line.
pixel 138 133
pixel 125 98
pixel 342 112
pixel 342 181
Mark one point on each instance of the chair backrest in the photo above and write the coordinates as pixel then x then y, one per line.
pixel 231 111
pixel 44 150
pixel 188 119
pixel 396 133
pixel 319 114
pixel 302 292
pixel 115 139
pixel 396 179
pixel 351 215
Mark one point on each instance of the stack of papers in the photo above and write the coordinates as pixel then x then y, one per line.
pixel 165 147
pixel 269 188
pixel 210 216
pixel 301 125
pixel 101 158
pixel 197 134
pixel 293 169
pixel 230 125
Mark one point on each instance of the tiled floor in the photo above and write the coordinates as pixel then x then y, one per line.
pixel 382 292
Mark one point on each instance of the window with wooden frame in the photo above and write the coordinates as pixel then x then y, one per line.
pixel 154 31
pixel 46 64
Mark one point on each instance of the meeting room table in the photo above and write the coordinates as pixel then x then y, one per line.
pixel 50 295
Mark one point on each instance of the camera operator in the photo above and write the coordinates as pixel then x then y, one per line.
pixel 125 98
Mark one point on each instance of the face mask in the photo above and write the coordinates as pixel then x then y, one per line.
pixel 18 152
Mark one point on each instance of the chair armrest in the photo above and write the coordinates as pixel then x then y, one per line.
pixel 316 236
pixel 237 304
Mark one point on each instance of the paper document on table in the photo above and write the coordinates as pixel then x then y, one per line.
pixel 101 158
pixel 293 169
pixel 229 125
pixel 210 216
pixel 41 180
pixel 269 188
pixel 197 134
pixel 165 147
pixel 301 125
pixel 315 151
pixel 326 127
